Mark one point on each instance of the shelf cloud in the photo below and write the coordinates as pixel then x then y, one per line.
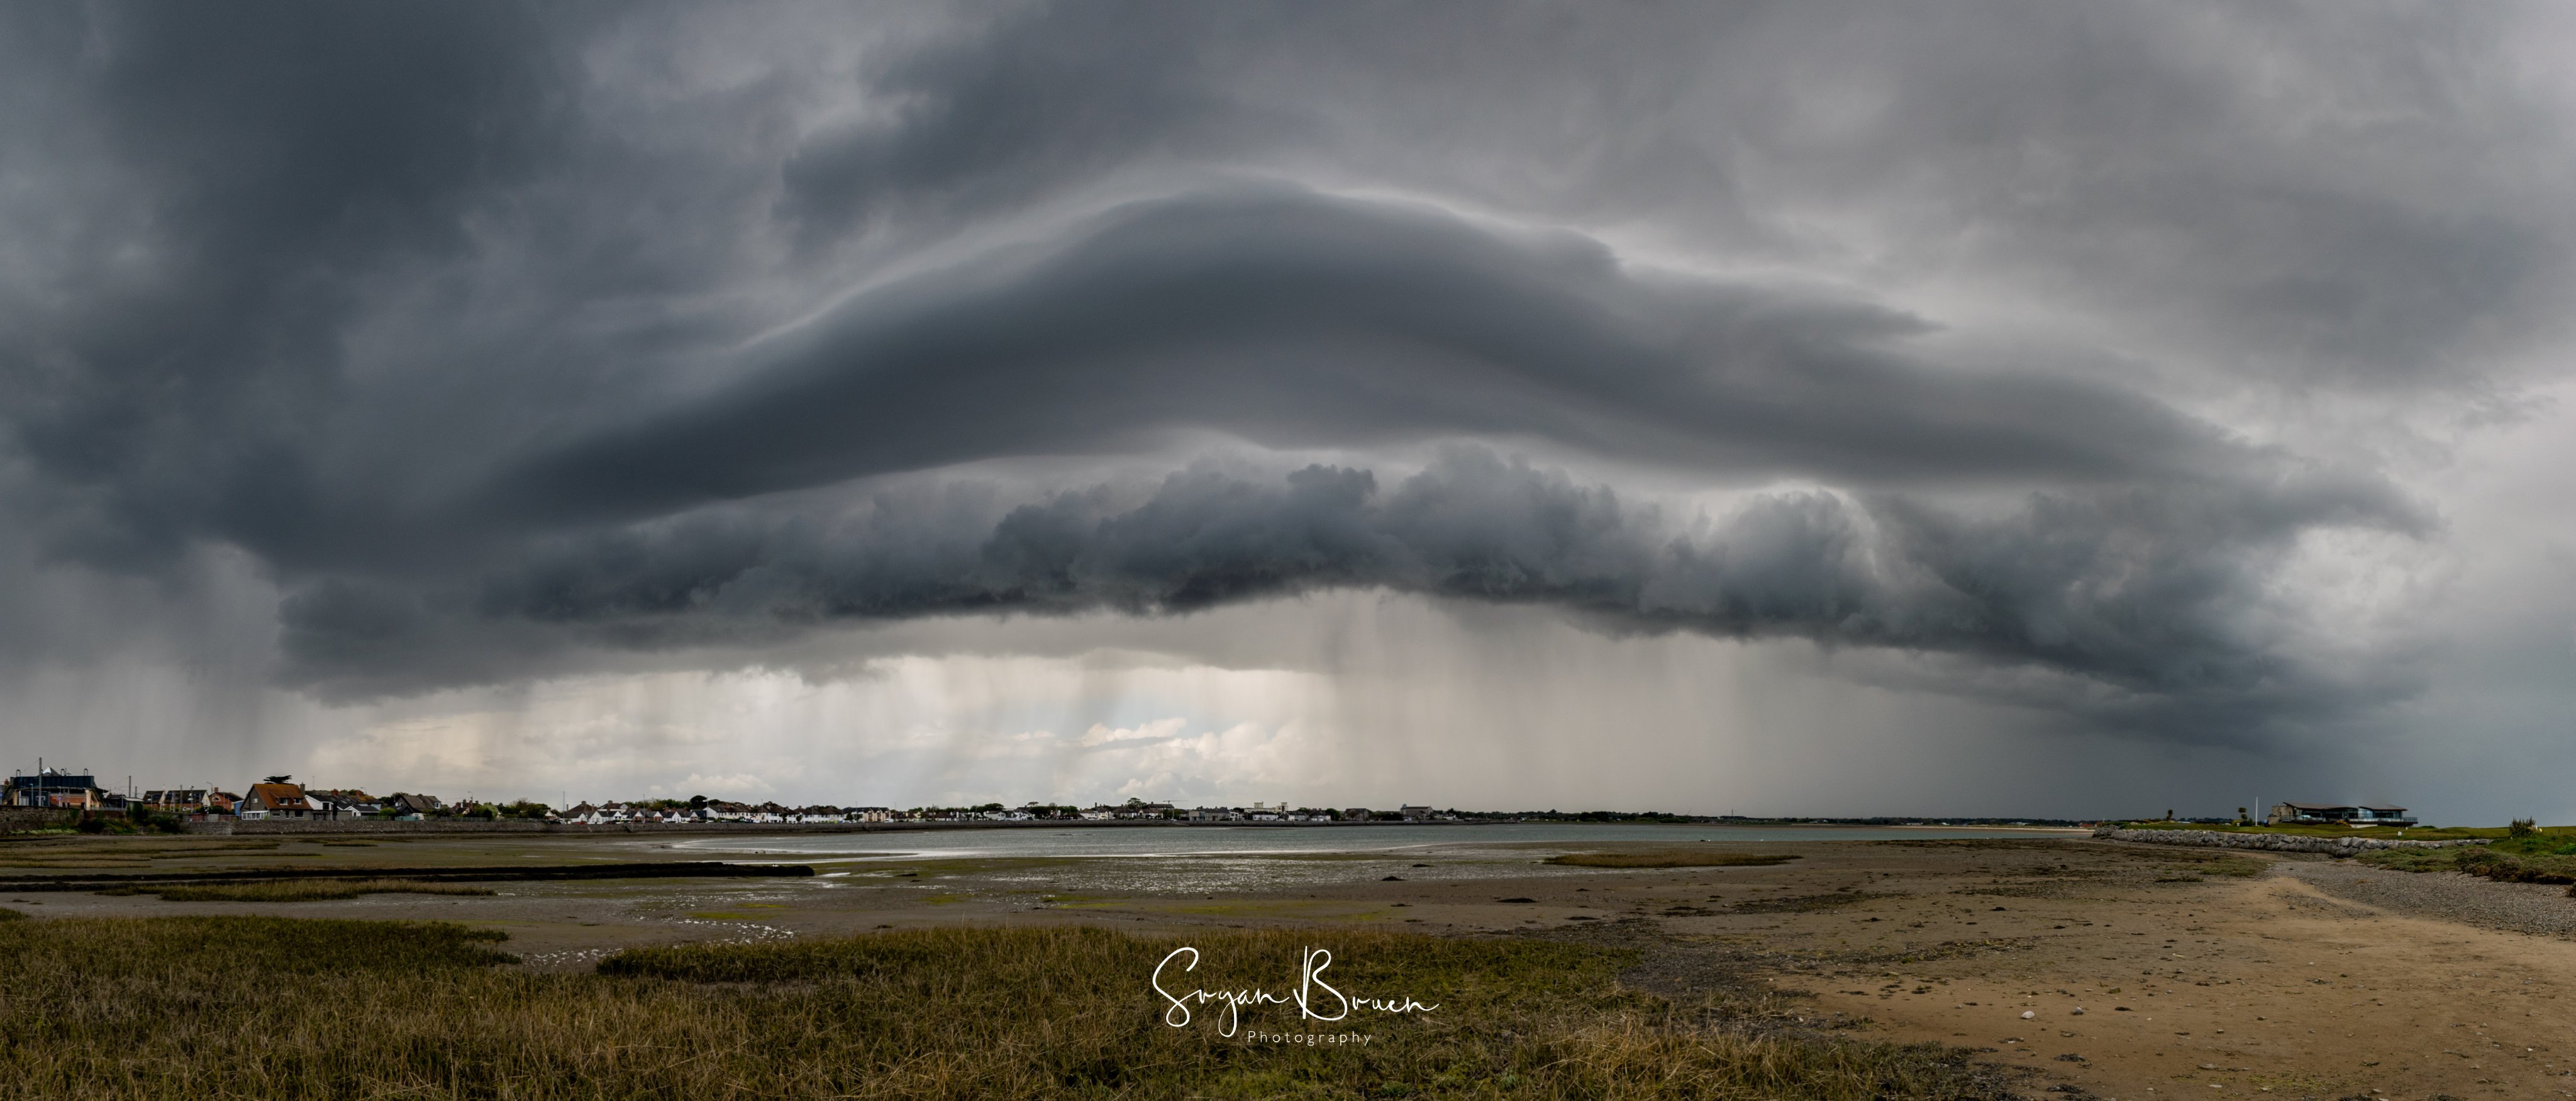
pixel 2159 370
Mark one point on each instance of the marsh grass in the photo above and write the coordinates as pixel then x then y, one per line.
pixel 2240 867
pixel 1801 904
pixel 2552 841
pixel 2540 858
pixel 76 852
pixel 214 1008
pixel 1672 858
pixel 297 890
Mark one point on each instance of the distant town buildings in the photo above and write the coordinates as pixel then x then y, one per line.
pixel 281 798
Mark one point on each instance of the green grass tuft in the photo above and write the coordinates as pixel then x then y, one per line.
pixel 297 890
pixel 2545 858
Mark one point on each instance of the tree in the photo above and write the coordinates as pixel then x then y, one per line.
pixel 277 779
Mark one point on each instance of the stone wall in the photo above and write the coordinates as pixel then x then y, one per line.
pixel 14 819
pixel 2267 842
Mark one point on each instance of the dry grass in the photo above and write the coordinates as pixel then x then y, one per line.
pixel 1672 858
pixel 297 890
pixel 215 1008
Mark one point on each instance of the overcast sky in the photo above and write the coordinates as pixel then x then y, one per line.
pixel 1801 408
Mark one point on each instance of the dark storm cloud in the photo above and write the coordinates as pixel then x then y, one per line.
pixel 186 339
pixel 490 332
pixel 1023 104
pixel 2159 595
pixel 2332 193
pixel 1296 320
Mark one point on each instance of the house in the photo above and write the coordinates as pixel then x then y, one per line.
pixel 2319 814
pixel 1414 813
pixel 871 814
pixel 276 800
pixel 175 799
pixel 53 787
pixel 408 805
pixel 1355 814
pixel 343 804
pixel 222 802
pixel 1216 814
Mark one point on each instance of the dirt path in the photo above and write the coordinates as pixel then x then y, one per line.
pixel 2537 908
pixel 2259 986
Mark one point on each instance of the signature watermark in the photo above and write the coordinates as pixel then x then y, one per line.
pixel 1310 1039
pixel 1315 998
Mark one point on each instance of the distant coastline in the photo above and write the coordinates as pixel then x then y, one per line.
pixel 228 827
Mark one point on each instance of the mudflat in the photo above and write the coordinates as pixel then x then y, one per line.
pixel 2095 968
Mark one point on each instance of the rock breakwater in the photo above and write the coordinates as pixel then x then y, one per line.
pixel 2268 842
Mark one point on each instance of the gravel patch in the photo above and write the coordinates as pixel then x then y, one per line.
pixel 2536 908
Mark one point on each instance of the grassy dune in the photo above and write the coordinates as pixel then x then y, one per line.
pixel 203 1008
